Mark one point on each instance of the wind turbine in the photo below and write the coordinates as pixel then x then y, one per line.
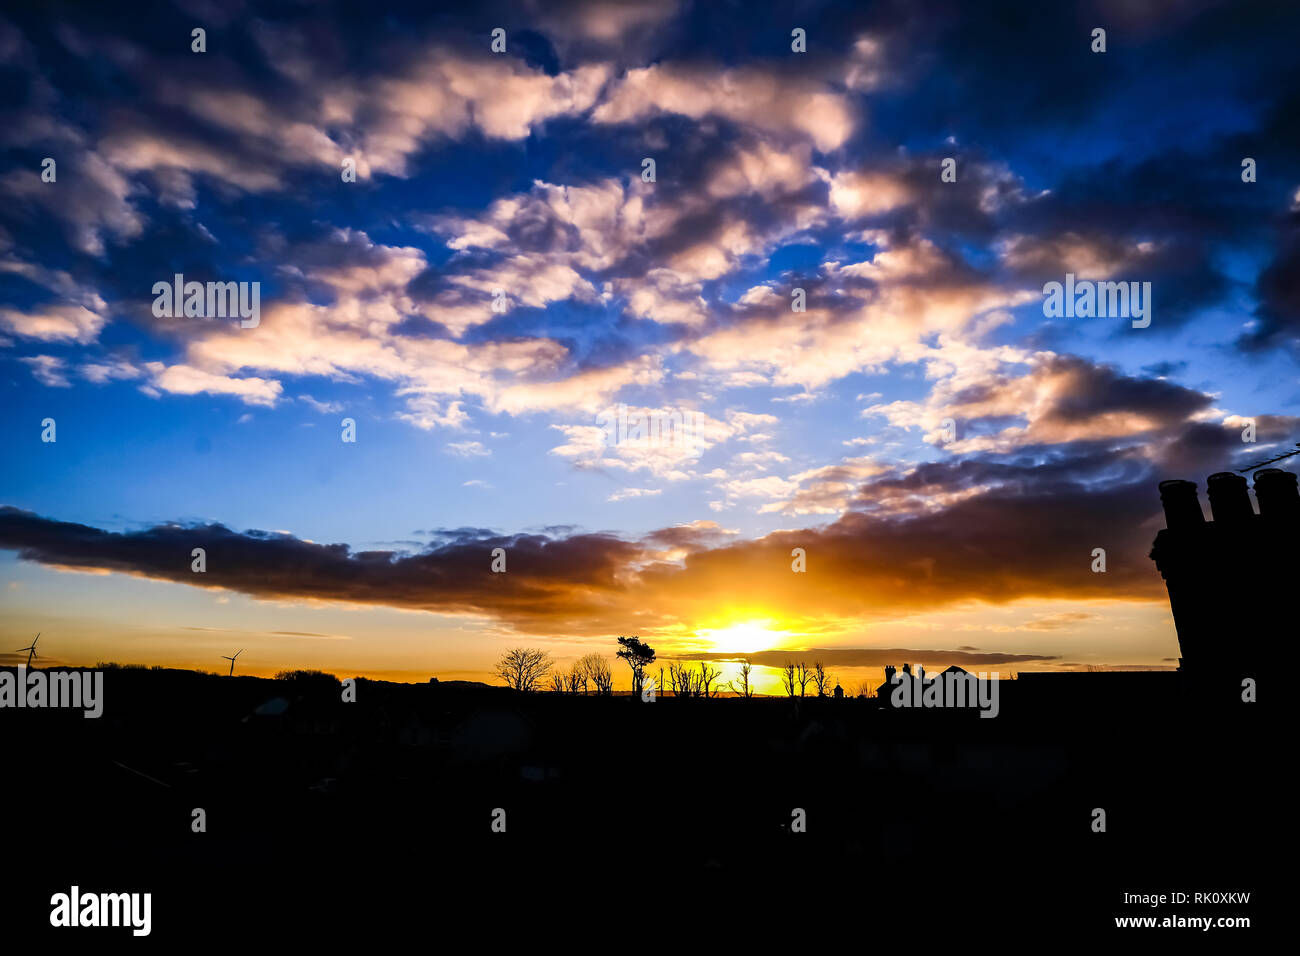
pixel 31 650
pixel 232 661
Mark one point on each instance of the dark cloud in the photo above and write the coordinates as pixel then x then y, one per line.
pixel 873 657
pixel 546 578
pixel 1055 622
pixel 695 536
pixel 1278 290
pixel 1092 390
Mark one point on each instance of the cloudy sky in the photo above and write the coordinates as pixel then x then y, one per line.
pixel 478 414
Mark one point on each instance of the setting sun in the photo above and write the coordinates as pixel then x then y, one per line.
pixel 753 635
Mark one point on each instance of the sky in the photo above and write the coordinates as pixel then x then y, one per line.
pixel 851 349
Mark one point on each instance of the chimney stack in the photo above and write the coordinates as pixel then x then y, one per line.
pixel 1182 509
pixel 1279 500
pixel 1207 566
pixel 1229 499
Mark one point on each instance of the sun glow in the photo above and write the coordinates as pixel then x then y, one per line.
pixel 754 635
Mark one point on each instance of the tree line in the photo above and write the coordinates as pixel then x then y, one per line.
pixel 531 669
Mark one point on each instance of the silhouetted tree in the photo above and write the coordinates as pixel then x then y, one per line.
pixel 744 688
pixel 576 682
pixel 523 667
pixel 789 678
pixel 596 667
pixel 707 676
pixel 681 679
pixel 639 655
pixel 803 676
pixel 819 678
pixel 310 678
pixel 558 682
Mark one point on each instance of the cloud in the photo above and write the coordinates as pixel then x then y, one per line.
pixel 48 370
pixel 187 380
pixel 54 323
pixel 612 22
pixel 91 197
pixel 469 449
pixel 664 441
pixel 1277 317
pixel 860 317
pixel 771 102
pixel 624 493
pixel 1061 398
pixel 325 408
pixel 547 575
pixel 873 657
pixel 1055 622
pixel 109 370
pixel 825 490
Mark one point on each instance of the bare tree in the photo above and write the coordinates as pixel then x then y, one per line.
pixel 576 681
pixel 789 678
pixel 681 678
pixel 819 678
pixel 558 682
pixel 707 676
pixel 803 675
pixel 523 667
pixel 743 687
pixel 597 670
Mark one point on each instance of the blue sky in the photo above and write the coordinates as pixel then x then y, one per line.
pixel 521 171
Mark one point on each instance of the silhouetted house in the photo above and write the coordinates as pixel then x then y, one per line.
pixel 887 688
pixel 958 685
pixel 892 678
pixel 1229 580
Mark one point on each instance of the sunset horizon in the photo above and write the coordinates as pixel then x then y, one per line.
pixel 649 304
pixel 506 464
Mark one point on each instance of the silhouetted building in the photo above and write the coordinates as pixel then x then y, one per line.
pixel 893 678
pixel 957 689
pixel 1229 579
pixel 883 691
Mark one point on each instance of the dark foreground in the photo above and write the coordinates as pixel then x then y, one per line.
pixel 634 823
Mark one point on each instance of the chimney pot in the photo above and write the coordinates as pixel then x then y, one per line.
pixel 1277 494
pixel 1182 509
pixel 1229 499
